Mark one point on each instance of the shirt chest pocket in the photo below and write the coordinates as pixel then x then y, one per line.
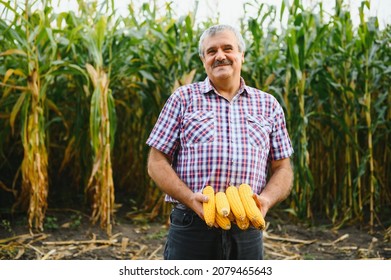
pixel 259 129
pixel 198 127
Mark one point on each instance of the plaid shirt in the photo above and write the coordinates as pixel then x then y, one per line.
pixel 212 141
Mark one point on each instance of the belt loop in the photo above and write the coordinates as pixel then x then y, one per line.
pixel 181 206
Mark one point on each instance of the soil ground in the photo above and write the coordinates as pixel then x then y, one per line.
pixel 68 234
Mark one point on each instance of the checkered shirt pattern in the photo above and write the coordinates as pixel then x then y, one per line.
pixel 216 142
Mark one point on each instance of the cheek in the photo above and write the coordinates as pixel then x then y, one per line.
pixel 208 63
pixel 239 58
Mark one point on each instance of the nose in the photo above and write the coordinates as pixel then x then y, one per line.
pixel 220 55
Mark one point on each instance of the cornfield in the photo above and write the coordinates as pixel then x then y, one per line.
pixel 67 78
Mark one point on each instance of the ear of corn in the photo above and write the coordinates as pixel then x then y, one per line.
pixel 223 222
pixel 243 225
pixel 210 206
pixel 231 216
pixel 222 204
pixel 259 223
pixel 252 211
pixel 235 202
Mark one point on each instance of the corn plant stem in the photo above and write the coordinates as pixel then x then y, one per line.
pixel 370 145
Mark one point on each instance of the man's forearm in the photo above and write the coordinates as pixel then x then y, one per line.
pixel 279 186
pixel 162 173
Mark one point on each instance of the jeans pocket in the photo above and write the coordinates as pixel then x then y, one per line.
pixel 181 218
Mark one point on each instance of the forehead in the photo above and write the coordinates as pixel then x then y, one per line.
pixel 225 37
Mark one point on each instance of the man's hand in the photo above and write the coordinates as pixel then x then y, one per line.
pixel 262 203
pixel 195 203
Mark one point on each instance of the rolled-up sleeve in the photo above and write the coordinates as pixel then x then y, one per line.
pixel 165 134
pixel 280 143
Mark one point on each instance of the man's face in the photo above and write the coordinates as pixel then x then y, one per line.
pixel 222 59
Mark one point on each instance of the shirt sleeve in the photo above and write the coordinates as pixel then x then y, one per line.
pixel 165 134
pixel 281 146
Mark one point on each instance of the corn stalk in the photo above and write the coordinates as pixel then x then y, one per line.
pixel 367 33
pixel 101 183
pixel 102 128
pixel 30 58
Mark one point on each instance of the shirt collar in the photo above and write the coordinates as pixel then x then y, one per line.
pixel 209 87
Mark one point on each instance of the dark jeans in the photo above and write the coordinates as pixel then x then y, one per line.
pixel 189 238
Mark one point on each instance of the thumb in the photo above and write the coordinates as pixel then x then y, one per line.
pixel 201 197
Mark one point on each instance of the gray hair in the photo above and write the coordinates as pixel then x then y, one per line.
pixel 213 30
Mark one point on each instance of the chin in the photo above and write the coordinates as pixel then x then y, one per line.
pixel 219 74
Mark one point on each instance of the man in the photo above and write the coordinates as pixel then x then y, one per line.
pixel 218 132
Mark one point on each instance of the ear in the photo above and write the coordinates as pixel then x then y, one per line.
pixel 202 59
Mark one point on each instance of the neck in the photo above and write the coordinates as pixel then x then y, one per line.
pixel 227 88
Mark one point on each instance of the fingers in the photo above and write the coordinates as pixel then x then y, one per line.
pixel 255 196
pixel 198 200
pixel 258 199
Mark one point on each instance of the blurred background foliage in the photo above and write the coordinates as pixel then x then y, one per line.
pixel 81 90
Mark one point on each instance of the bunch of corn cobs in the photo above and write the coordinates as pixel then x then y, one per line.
pixel 236 204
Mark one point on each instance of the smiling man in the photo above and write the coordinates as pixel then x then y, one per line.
pixel 218 132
